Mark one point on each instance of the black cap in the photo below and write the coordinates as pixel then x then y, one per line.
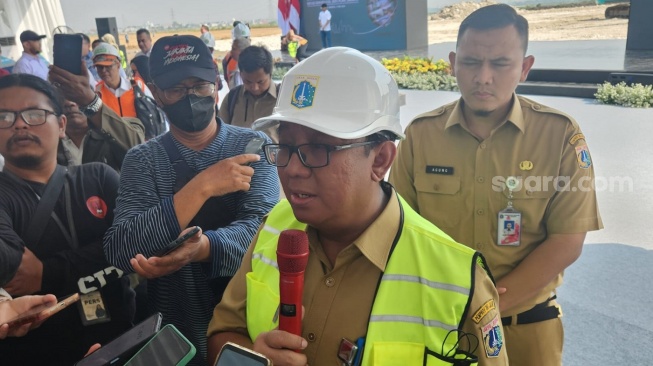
pixel 29 35
pixel 175 58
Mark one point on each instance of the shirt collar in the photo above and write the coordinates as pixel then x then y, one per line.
pixel 29 55
pixel 272 90
pixel 515 115
pixel 373 243
pixel 124 87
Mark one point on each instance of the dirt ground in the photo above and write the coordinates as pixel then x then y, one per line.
pixel 576 23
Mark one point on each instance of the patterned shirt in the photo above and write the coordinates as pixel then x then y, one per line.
pixel 145 222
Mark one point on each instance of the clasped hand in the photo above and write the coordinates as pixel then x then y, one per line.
pixel 279 346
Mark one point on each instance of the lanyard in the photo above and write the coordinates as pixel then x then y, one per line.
pixel 69 233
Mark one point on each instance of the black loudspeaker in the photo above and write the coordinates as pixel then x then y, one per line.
pixel 107 25
pixel 640 32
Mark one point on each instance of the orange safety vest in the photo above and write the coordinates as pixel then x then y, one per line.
pixel 123 105
pixel 231 66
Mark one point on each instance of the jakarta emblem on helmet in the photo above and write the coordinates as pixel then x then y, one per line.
pixel 304 91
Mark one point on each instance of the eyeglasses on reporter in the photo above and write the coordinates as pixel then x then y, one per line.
pixel 310 155
pixel 31 116
pixel 178 93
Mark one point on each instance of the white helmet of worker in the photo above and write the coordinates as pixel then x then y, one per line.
pixel 340 92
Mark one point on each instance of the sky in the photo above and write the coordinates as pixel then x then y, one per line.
pixel 80 14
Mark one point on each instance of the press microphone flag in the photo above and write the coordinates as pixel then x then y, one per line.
pixel 292 257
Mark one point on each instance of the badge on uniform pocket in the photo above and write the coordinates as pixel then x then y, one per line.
pixel 509 219
pixel 509 227
pixel 92 309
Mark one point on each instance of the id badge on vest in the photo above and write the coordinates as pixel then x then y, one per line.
pixel 92 309
pixel 509 219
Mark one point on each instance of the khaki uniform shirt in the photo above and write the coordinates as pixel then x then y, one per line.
pixel 108 144
pixel 249 108
pixel 458 182
pixel 338 299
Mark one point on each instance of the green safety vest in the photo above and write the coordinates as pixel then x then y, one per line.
pixel 423 295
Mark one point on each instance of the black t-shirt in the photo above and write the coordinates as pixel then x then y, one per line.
pixel 63 339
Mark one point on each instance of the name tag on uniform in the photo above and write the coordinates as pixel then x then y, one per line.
pixel 443 170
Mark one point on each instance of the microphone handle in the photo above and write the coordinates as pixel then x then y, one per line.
pixel 291 289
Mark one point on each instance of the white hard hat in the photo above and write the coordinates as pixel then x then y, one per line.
pixel 340 92
pixel 241 31
pixel 104 54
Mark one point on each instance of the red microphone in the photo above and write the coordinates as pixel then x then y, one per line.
pixel 292 257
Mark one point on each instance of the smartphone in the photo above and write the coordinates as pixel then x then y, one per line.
pixel 254 145
pixel 233 354
pixel 121 349
pixel 167 347
pixel 176 243
pixel 67 52
pixel 42 312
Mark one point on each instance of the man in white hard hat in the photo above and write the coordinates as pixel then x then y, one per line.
pixel 378 275
pixel 114 89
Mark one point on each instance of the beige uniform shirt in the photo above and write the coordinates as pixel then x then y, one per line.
pixel 458 182
pixel 338 299
pixel 249 108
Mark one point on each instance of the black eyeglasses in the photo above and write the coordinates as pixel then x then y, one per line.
pixel 102 67
pixel 32 116
pixel 201 90
pixel 311 155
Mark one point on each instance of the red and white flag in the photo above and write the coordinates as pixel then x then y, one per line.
pixel 288 15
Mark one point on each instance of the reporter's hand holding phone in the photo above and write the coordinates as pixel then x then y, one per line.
pixel 227 176
pixel 195 249
pixel 73 87
pixel 13 308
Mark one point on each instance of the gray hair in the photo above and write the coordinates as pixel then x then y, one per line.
pixel 241 43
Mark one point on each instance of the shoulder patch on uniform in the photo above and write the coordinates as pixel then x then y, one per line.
pixel 492 337
pixel 576 137
pixel 583 156
pixel 541 108
pixel 483 311
pixel 435 113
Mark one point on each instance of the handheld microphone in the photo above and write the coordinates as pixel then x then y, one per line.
pixel 292 257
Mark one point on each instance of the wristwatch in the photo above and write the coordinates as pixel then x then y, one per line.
pixel 93 107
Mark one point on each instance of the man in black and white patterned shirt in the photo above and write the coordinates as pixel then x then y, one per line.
pixel 196 174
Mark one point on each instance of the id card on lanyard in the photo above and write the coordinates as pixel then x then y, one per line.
pixel 91 307
pixel 509 219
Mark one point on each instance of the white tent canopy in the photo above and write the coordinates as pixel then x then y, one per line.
pixel 16 16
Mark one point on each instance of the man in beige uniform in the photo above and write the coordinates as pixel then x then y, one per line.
pixel 353 219
pixel 462 166
pixel 257 96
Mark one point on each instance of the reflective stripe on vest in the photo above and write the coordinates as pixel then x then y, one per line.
pixel 422 297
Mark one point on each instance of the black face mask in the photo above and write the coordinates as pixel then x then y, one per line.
pixel 192 113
